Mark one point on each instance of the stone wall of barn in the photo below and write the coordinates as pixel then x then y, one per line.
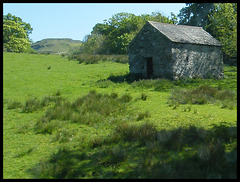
pixel 192 60
pixel 149 43
pixel 172 60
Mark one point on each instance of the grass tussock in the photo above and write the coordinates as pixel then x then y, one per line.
pixel 13 104
pixel 141 133
pixel 90 109
pixel 34 104
pixel 203 95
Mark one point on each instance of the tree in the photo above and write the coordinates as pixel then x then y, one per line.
pixel 223 26
pixel 195 14
pixel 173 18
pixel 219 19
pixel 15 34
pixel 114 35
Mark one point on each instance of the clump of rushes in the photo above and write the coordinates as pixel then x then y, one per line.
pixel 34 104
pixel 202 95
pixel 13 104
pixel 90 109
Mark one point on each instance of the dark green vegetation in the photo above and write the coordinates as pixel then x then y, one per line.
pixel 141 151
pixel 92 59
pixel 114 35
pixel 94 121
pixel 203 95
pixel 55 46
pixel 16 34
pixel 219 19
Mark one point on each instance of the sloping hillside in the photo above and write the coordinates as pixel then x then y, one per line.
pixel 55 46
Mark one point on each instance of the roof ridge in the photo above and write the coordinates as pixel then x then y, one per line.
pixel 175 24
pixel 185 33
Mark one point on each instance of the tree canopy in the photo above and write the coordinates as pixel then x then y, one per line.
pixel 223 26
pixel 219 19
pixel 113 35
pixel 195 14
pixel 15 34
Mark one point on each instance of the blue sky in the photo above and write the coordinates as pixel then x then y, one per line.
pixel 76 20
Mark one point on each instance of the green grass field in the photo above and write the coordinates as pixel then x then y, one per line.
pixel 62 119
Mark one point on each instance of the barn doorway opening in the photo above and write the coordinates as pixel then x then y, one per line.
pixel 149 61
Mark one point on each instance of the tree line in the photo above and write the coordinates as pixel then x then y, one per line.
pixel 113 35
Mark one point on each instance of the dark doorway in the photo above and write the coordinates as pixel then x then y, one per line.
pixel 149 66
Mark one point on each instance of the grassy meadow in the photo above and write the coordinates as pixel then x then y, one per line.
pixel 68 119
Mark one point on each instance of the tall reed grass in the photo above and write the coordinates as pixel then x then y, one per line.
pixel 203 95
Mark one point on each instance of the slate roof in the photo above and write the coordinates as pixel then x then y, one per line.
pixel 185 34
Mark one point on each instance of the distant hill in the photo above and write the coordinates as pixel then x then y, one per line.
pixel 55 45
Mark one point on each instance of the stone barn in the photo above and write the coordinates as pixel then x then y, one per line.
pixel 170 51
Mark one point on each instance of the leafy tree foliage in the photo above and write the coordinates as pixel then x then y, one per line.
pixel 223 26
pixel 15 34
pixel 219 19
pixel 195 14
pixel 114 35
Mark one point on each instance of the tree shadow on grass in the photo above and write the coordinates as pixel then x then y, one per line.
pixel 181 153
